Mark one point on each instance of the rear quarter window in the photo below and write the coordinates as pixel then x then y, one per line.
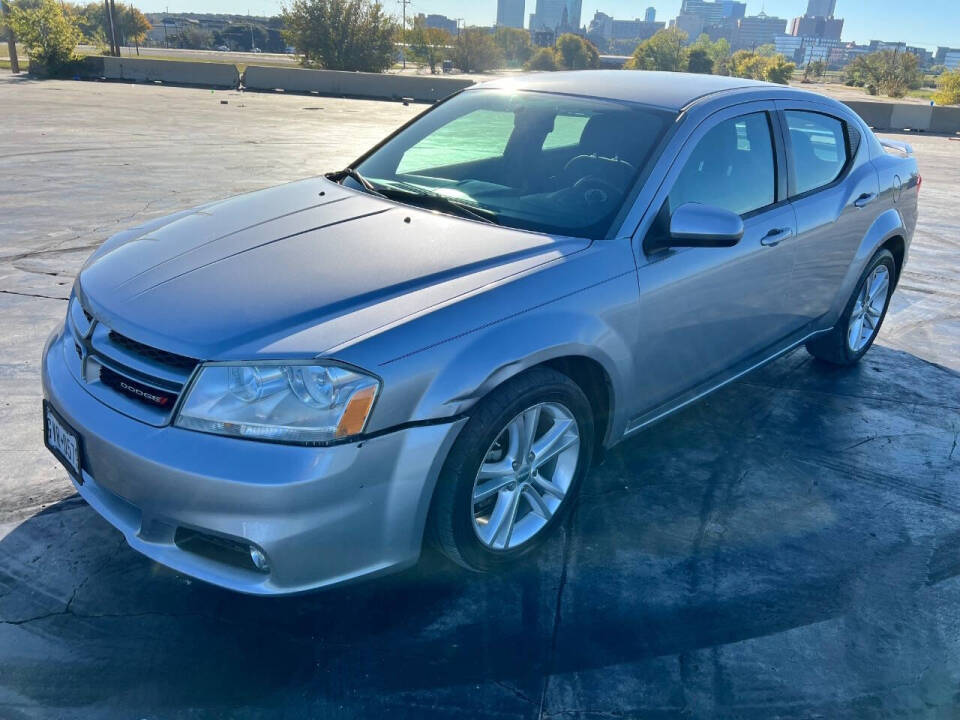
pixel 819 149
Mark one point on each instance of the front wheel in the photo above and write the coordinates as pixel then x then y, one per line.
pixel 514 471
pixel 860 322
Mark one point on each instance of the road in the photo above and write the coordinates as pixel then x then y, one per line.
pixel 788 548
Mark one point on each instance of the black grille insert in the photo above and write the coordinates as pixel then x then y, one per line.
pixel 181 362
pixel 137 390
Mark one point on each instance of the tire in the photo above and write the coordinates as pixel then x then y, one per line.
pixel 837 346
pixel 546 400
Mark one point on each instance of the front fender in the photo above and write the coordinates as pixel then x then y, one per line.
pixel 491 357
pixel 439 364
pixel 888 224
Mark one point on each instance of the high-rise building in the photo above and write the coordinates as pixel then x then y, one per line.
pixel 556 15
pixel 821 8
pixel 819 26
pixel 757 30
pixel 651 15
pixel 441 22
pixel 510 13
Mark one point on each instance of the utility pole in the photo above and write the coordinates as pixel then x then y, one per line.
pixel 117 27
pixel 112 31
pixel 403 32
pixel 11 40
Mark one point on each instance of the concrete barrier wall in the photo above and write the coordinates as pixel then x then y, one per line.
pixel 875 114
pixel 423 88
pixel 174 72
pixel 945 120
pixel 907 116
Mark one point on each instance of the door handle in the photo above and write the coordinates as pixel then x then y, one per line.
pixel 864 200
pixel 776 236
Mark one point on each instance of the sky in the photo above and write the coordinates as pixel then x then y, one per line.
pixel 927 23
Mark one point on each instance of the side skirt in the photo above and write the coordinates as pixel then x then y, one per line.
pixel 713 384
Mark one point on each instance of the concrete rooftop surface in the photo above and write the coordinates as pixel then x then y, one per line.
pixel 788 548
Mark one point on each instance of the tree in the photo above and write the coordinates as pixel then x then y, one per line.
pixel 948 88
pixel 515 45
pixel 49 34
pixel 816 69
pixel 428 45
pixel 664 51
pixel 132 25
pixel 475 51
pixel 768 50
pixel 778 70
pixel 543 59
pixel 698 61
pixel 575 53
pixel 888 72
pixel 194 38
pixel 341 34
pixel 747 64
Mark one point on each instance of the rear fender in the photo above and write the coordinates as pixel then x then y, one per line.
pixel 888 224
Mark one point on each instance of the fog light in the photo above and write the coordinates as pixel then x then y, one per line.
pixel 259 559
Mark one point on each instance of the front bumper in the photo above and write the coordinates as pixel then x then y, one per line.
pixel 321 516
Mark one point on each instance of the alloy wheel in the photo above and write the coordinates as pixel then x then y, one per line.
pixel 868 310
pixel 525 475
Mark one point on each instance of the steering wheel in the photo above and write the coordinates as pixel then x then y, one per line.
pixel 595 190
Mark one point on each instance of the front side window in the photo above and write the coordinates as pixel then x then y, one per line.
pixel 550 163
pixel 818 149
pixel 732 167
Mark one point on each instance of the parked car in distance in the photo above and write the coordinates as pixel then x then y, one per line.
pixel 300 386
pixel 223 48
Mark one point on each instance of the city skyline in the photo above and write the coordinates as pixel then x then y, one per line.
pixel 929 24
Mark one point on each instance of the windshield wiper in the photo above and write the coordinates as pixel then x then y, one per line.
pixel 443 202
pixel 349 172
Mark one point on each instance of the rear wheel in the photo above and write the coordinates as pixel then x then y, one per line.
pixel 513 473
pixel 860 322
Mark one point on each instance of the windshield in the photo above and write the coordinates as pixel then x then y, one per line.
pixel 549 163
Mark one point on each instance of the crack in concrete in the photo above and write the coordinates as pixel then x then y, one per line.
pixel 809 391
pixel 561 586
pixel 33 295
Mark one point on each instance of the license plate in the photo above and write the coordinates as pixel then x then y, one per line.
pixel 62 440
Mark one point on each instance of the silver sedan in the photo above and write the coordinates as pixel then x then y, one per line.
pixel 301 386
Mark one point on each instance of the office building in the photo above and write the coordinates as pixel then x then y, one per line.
pixel 510 13
pixel 947 56
pixel 692 25
pixel 757 30
pixel 651 15
pixel 821 8
pixel 714 13
pixel 562 15
pixel 819 26
pixel 440 22
pixel 606 28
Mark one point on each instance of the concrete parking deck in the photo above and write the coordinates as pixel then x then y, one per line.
pixel 789 548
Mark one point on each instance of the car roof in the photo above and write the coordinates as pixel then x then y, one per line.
pixel 670 90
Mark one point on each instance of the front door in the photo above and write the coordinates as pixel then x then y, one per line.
pixel 704 310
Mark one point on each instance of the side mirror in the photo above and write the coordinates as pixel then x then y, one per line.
pixel 695 225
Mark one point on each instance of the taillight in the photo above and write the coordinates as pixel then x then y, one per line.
pixel 919 182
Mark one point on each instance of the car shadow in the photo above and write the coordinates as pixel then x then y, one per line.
pixel 804 516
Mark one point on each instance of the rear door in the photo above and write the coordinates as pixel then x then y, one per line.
pixel 834 189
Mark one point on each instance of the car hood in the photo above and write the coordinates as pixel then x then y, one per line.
pixel 297 269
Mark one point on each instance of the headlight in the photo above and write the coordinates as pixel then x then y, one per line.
pixel 283 402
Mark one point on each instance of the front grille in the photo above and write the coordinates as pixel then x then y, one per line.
pixel 152 354
pixel 137 390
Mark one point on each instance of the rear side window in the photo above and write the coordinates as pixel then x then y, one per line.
pixel 732 167
pixel 818 149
